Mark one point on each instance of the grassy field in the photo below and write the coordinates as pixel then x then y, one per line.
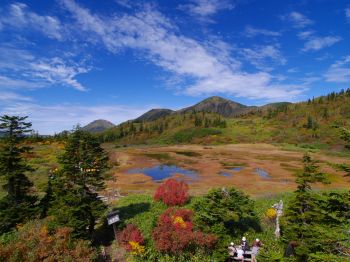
pixel 280 162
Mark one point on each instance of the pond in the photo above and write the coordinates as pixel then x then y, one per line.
pixel 238 168
pixel 262 173
pixel 223 173
pixel 160 172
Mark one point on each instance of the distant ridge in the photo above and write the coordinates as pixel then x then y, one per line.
pixel 154 114
pixel 214 104
pixel 98 126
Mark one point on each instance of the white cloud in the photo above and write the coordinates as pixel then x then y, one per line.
pixel 263 57
pixel 252 32
pixel 125 3
pixel 317 43
pixel 339 72
pixel 204 9
pixel 347 12
pixel 305 34
pixel 10 96
pixel 21 69
pixel 18 15
pixel 297 19
pixel 158 40
pixel 56 71
pixel 56 118
pixel 293 70
pixel 15 83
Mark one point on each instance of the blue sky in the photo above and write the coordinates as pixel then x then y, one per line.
pixel 65 62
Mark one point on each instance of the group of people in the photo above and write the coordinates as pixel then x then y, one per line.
pixel 241 249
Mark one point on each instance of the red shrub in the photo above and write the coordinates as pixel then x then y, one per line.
pixel 204 240
pixel 174 232
pixel 172 192
pixel 130 233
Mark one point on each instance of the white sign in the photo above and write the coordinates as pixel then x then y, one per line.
pixel 113 219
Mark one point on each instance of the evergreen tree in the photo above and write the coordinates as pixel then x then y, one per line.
pixel 345 135
pixel 75 185
pixel 18 205
pixel 303 210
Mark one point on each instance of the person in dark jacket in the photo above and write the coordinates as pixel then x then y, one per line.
pixel 244 244
pixel 290 250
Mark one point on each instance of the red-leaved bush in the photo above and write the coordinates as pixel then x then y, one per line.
pixel 172 192
pixel 130 233
pixel 174 232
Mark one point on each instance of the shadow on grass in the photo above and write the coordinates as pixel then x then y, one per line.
pixel 132 210
pixel 104 234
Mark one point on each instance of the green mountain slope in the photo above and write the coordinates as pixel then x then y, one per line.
pixel 218 105
pixel 154 114
pixel 313 124
pixel 98 126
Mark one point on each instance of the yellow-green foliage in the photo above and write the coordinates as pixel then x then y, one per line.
pixel 311 124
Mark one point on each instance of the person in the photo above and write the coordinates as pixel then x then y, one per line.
pixel 290 250
pixel 255 250
pixel 231 251
pixel 244 244
pixel 240 254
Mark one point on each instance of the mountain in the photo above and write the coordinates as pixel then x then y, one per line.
pixel 214 104
pixel 153 114
pixel 218 105
pixel 275 105
pixel 98 126
pixel 311 124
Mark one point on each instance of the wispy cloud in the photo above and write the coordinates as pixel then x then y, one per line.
pixel 55 118
pixel 264 57
pixel 21 69
pixel 339 72
pixel 10 96
pixel 18 15
pixel 317 43
pixel 297 19
pixel 56 71
pixel 305 34
pixel 204 9
pixel 252 32
pixel 124 3
pixel 347 13
pixel 293 70
pixel 158 40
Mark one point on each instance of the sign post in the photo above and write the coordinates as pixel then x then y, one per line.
pixel 112 219
pixel 279 209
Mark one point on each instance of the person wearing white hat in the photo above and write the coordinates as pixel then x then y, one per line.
pixel 244 244
pixel 231 251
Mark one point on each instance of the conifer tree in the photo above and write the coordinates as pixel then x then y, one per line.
pixel 76 183
pixel 345 135
pixel 303 210
pixel 18 205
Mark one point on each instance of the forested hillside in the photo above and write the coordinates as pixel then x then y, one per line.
pixel 312 122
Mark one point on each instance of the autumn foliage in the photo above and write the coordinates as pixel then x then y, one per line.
pixel 131 239
pixel 174 232
pixel 35 242
pixel 172 193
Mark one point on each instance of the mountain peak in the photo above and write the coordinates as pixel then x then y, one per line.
pixel 154 114
pixel 98 126
pixel 216 104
